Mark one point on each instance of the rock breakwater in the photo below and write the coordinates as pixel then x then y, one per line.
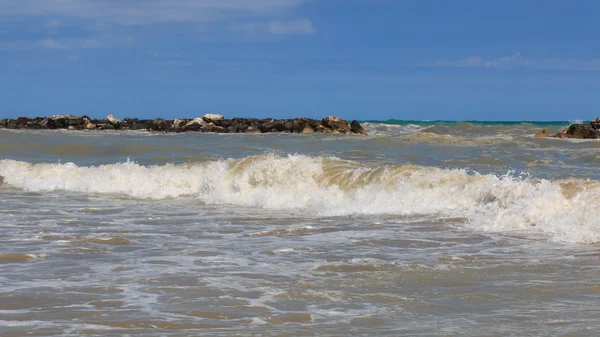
pixel 208 123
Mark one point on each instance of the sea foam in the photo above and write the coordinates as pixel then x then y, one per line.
pixel 320 186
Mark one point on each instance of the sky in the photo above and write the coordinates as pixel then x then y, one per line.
pixel 536 60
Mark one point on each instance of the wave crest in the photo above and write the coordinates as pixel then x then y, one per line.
pixel 331 187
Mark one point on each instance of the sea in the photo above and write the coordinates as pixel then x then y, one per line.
pixel 421 228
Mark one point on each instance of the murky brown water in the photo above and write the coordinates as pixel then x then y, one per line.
pixel 272 236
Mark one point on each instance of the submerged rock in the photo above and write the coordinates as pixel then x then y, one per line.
pixel 542 133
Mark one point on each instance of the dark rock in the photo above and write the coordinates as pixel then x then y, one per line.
pixel 211 127
pixel 596 124
pixel 308 128
pixel 11 124
pixel 21 122
pixel 75 121
pixel 582 131
pixel 1 180
pixel 272 125
pixel 195 126
pixel 60 122
pixel 48 123
pixel 355 127
pixel 159 124
pixel 33 125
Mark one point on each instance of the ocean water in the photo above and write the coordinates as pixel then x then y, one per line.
pixel 419 229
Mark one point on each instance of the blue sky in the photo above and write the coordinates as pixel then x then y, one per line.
pixel 363 59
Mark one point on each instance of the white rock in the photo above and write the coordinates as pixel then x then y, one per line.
pixel 112 119
pixel 214 117
pixel 196 121
pixel 334 119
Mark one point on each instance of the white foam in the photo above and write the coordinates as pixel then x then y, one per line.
pixel 317 186
pixel 374 129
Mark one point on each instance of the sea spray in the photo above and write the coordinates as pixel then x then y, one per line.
pixel 328 186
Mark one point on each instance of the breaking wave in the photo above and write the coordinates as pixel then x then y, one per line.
pixel 375 129
pixel 566 209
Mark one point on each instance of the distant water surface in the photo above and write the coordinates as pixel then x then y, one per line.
pixel 419 229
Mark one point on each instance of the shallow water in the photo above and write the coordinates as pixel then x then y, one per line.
pixel 426 229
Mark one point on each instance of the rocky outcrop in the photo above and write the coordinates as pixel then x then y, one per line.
pixel 576 131
pixel 208 123
pixel 581 131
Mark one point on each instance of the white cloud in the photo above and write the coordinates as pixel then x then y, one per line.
pixel 136 12
pixel 85 43
pixel 53 24
pixel 516 60
pixel 299 26
pixel 262 30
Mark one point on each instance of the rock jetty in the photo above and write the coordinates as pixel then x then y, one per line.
pixel 577 131
pixel 208 123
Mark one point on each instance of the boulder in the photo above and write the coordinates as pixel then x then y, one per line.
pixel 75 121
pixel 214 117
pixel 272 125
pixel 106 126
pixel 113 120
pixel 542 133
pixel 213 128
pixel 136 124
pixel 10 124
pixel 596 124
pixel 178 124
pixel 193 127
pixel 308 129
pixel 159 124
pixel 21 122
pixel 336 124
pixel 253 129
pixel 582 131
pixel 355 127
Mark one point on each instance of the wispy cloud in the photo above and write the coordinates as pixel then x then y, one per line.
pixel 270 29
pixel 67 44
pixel 137 12
pixel 53 24
pixel 516 60
pixel 298 26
